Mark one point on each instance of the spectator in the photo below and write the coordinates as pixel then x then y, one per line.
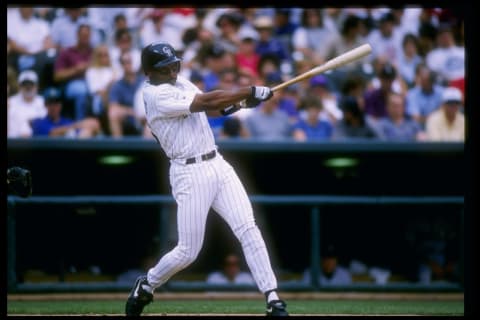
pixel 395 126
pixel 267 65
pixel 229 24
pixel 312 38
pixel 447 123
pixel 284 27
pixel 348 39
pixel 100 75
pixel 266 122
pixel 354 123
pixel 312 127
pixel 214 59
pixel 227 81
pixel 121 113
pixel 386 41
pixel 376 98
pixel 354 86
pixel 29 42
pixel 267 43
pixel 231 273
pixel 409 59
pixel 448 59
pixel 233 127
pixel 319 86
pixel 425 97
pixel 124 44
pixel 155 30
pixel 65 28
pixel 24 106
pixel 70 69
pixel 54 125
pixel 246 58
pixel 331 272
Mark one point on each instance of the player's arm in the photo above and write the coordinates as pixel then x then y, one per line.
pixel 229 101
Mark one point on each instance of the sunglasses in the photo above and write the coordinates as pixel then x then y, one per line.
pixel 168 69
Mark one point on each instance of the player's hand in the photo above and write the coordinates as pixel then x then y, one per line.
pixel 259 94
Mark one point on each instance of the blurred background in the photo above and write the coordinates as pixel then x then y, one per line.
pixel 356 175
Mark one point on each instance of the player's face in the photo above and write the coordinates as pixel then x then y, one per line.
pixel 166 73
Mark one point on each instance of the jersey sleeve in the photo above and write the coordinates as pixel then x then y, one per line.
pixel 169 101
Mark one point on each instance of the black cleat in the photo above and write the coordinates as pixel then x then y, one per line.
pixel 277 308
pixel 139 297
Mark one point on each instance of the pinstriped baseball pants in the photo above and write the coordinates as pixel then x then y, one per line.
pixel 197 188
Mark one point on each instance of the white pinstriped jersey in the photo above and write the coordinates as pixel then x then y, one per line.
pixel 181 133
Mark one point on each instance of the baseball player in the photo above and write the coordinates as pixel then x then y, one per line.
pixel 176 112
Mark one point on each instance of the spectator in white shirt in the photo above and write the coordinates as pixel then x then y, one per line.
pixel 24 106
pixel 231 273
pixel 99 76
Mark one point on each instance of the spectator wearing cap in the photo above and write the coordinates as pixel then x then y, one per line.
pixel 55 125
pixel 447 123
pixel 425 97
pixel 24 106
pixel 65 28
pixel 331 272
pixel 448 59
pixel 354 123
pixel 70 69
pixel 376 98
pixel 386 41
pixel 396 126
pixel 319 86
pixel 213 58
pixel 312 127
pixel 246 58
pixel 267 43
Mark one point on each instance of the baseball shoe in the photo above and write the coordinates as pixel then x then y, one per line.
pixel 139 297
pixel 277 308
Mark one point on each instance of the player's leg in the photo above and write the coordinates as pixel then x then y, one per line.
pixel 193 190
pixel 233 205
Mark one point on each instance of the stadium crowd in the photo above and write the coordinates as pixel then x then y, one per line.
pixel 76 72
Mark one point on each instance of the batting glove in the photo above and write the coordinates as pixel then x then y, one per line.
pixel 259 94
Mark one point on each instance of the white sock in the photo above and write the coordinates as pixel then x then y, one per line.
pixel 272 296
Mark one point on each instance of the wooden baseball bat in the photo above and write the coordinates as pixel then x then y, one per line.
pixel 336 62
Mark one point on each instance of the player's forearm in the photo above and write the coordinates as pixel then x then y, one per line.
pixel 219 99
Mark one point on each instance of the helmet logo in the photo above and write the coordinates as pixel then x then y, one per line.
pixel 167 51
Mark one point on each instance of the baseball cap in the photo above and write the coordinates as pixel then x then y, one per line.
pixel 451 94
pixel 216 51
pixel 28 76
pixel 318 80
pixel 263 22
pixel 52 95
pixel 388 71
pixel 247 34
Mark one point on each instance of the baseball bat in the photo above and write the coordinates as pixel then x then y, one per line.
pixel 336 62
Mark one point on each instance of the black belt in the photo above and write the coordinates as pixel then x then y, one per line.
pixel 204 157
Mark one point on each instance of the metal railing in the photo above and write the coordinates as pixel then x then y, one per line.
pixel 315 202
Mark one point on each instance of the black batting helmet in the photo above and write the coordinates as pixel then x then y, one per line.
pixel 157 55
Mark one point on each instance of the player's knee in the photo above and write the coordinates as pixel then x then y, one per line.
pixel 186 255
pixel 248 233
